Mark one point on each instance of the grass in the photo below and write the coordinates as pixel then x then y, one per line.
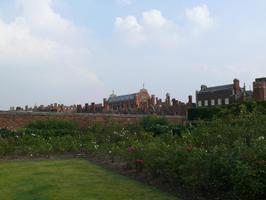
pixel 68 180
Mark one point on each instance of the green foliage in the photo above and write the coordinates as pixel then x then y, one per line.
pixel 52 124
pixel 155 124
pixel 51 128
pixel 225 155
pixel 210 113
pixel 6 133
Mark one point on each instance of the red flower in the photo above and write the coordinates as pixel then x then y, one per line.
pixel 131 149
pixel 139 161
pixel 189 148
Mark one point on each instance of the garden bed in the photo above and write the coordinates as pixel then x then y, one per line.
pixel 223 157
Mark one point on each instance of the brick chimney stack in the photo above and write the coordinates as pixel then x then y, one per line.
pixel 79 108
pixel 190 99
pixel 86 107
pixel 93 107
pixel 153 100
pixel 259 87
pixel 237 89
pixel 167 99
pixel 157 101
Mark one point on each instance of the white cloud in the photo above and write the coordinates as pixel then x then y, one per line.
pixel 153 26
pixel 154 18
pixel 200 16
pixel 130 28
pixel 128 23
pixel 41 46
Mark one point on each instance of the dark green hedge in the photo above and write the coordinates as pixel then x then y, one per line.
pixel 209 113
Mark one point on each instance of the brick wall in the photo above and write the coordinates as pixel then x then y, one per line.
pixel 16 120
pixel 259 90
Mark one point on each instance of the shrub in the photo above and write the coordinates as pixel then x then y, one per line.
pixel 156 125
pixel 225 155
pixel 52 124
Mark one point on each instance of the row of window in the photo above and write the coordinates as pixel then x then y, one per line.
pixel 219 102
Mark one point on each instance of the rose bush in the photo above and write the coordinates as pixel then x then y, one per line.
pixel 223 156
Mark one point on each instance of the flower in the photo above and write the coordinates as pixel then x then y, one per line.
pixel 139 161
pixel 261 138
pixel 189 148
pixel 131 149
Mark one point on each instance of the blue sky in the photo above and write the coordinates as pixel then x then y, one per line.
pixel 78 51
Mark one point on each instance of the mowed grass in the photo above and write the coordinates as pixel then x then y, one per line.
pixel 74 179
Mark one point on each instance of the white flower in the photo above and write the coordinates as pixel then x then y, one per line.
pixel 261 138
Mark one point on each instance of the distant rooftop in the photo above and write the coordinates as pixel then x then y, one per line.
pixel 261 79
pixel 216 88
pixel 113 98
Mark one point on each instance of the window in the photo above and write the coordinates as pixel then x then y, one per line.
pixel 206 103
pixel 226 101
pixel 213 102
pixel 219 101
pixel 199 103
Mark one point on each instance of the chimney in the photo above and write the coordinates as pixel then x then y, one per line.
pixel 157 100
pixel 236 86
pixel 86 107
pixel 174 102
pixel 190 99
pixel 203 87
pixel 167 99
pixel 93 107
pixel 153 100
pixel 79 108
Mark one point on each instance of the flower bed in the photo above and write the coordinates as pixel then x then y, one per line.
pixel 224 156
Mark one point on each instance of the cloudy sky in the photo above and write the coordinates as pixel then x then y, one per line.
pixel 78 51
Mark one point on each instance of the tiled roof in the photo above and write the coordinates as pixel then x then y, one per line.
pixel 261 79
pixel 128 97
pixel 217 88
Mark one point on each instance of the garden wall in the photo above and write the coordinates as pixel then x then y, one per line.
pixel 16 120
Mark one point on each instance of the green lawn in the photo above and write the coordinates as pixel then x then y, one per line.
pixel 73 179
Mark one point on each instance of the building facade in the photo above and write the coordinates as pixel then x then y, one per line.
pixel 132 103
pixel 144 103
pixel 220 95
pixel 259 89
pixel 136 103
